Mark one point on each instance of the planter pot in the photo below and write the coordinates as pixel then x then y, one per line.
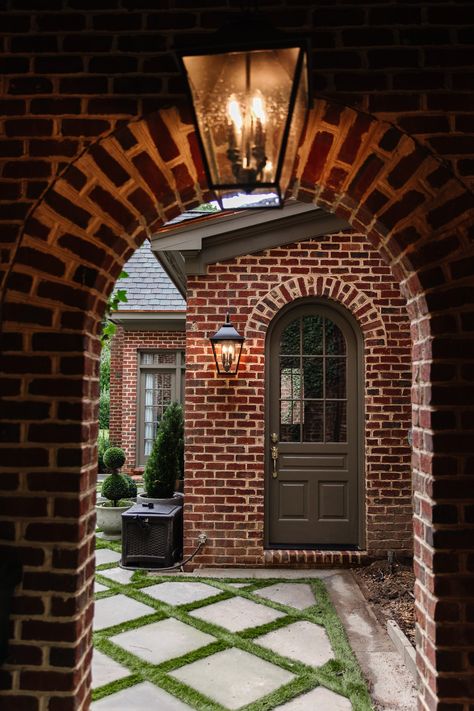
pixel 109 519
pixel 176 499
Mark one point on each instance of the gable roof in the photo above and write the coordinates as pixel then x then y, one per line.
pixel 148 286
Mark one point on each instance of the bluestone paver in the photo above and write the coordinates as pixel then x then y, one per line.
pixel 118 575
pixel 105 555
pixel 236 614
pixel 159 641
pixel 233 677
pixel 116 609
pixel 298 595
pixel 320 698
pixel 303 641
pixel 181 593
pixel 106 670
pixel 141 697
pixel 98 587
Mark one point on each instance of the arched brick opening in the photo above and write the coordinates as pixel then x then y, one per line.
pixel 340 290
pixel 368 319
pixel 74 243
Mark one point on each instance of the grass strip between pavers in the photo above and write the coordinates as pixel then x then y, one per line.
pixel 341 674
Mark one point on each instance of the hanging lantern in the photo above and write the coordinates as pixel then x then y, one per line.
pixel 227 347
pixel 249 92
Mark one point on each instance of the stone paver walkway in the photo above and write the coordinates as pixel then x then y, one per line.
pixel 177 643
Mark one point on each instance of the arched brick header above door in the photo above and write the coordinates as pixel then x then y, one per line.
pixel 340 290
pixel 72 247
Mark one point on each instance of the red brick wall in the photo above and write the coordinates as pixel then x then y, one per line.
pixel 123 382
pixel 383 70
pixel 71 75
pixel 224 480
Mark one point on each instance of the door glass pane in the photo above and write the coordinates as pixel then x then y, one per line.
pixel 335 341
pixel 335 377
pixel 290 378
pixel 336 427
pixel 313 377
pixel 312 335
pixel 291 339
pixel 313 421
pixel 290 417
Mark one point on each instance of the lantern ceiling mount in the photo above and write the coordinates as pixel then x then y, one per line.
pixel 249 91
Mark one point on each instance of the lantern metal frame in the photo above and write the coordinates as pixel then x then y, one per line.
pixel 258 35
pixel 227 332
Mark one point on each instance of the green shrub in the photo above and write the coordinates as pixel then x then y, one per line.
pixel 166 461
pixel 114 458
pixel 132 486
pixel 115 487
pixel 103 443
pixel 104 409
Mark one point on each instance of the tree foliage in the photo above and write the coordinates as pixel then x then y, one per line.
pixel 117 297
pixel 166 461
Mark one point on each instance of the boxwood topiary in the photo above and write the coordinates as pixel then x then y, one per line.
pixel 115 487
pixel 132 487
pixel 114 458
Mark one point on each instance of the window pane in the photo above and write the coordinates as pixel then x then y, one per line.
pixel 312 335
pixel 290 416
pixel 149 381
pixel 313 421
pixel 335 377
pixel 313 377
pixel 149 430
pixel 165 358
pixel 336 428
pixel 290 378
pixel 290 339
pixel 335 341
pixel 146 358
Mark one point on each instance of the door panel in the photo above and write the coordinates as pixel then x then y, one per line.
pixel 313 410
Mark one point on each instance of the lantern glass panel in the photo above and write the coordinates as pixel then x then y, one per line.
pixel 227 356
pixel 296 126
pixel 243 101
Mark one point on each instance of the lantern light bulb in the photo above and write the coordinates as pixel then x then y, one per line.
pixel 258 109
pixel 233 109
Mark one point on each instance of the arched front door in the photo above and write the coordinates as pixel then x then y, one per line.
pixel 313 419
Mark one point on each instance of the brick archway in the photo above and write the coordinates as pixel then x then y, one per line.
pixel 339 290
pixel 74 243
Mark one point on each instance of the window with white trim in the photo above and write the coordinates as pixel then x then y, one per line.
pixel 161 382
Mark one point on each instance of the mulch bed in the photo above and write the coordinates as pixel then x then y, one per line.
pixel 389 589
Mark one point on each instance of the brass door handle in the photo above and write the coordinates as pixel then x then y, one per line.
pixel 274 451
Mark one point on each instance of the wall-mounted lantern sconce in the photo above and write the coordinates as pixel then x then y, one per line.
pixel 227 347
pixel 249 91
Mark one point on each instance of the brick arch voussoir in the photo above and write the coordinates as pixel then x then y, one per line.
pixel 98 211
pixel 386 184
pixel 339 290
